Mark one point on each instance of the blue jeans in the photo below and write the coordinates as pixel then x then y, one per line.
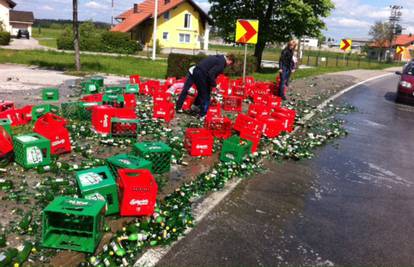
pixel 284 81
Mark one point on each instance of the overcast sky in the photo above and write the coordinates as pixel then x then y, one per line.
pixel 351 18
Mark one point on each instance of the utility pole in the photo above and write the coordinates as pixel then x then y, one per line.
pixel 154 37
pixel 76 35
pixel 394 21
pixel 112 13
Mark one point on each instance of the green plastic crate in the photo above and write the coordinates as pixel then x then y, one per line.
pixel 132 89
pixel 113 90
pixel 235 149
pixel 73 223
pixel 6 123
pixel 89 88
pixel 124 127
pixel 99 184
pixel 40 110
pixel 98 80
pixel 31 150
pixel 127 161
pixel 114 100
pixel 77 110
pixel 50 94
pixel 157 152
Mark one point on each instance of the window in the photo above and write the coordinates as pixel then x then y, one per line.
pixel 187 21
pixel 167 15
pixel 184 38
pixel 166 2
pixel 165 35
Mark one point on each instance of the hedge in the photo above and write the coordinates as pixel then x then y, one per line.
pixel 178 65
pixel 4 38
pixel 107 42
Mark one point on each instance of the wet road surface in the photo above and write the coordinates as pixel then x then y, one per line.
pixel 353 204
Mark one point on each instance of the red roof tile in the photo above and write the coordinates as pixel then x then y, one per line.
pixel 146 10
pixel 404 39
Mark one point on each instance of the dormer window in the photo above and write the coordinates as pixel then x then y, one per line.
pixel 167 15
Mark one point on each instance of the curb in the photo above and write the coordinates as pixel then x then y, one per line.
pixel 152 256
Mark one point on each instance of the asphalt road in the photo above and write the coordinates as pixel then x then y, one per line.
pixel 353 204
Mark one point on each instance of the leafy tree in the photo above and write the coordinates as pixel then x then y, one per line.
pixel 279 20
pixel 381 33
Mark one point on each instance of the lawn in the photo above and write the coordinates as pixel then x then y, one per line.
pixel 126 65
pixel 47 36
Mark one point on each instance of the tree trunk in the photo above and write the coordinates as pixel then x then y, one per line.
pixel 258 52
pixel 261 43
pixel 76 35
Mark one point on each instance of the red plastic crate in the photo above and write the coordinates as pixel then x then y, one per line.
pixel 161 97
pixel 52 127
pixel 135 79
pixel 273 101
pixel 144 89
pixel 233 103
pixel 287 116
pixel 253 136
pixel 244 121
pixel 95 98
pixel 6 143
pixel 170 81
pixel 214 111
pixel 164 111
pixel 26 113
pixel 102 116
pixel 6 105
pixel 130 101
pixel 223 83
pixel 272 127
pixel 199 142
pixel 189 101
pixel 124 127
pixel 153 85
pixel 262 88
pixel 17 117
pixel 239 90
pixel 138 192
pixel 259 110
pixel 250 80
pixel 220 127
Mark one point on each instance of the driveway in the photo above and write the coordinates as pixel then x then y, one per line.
pixel 24 44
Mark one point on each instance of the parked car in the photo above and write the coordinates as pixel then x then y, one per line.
pixel 23 34
pixel 405 91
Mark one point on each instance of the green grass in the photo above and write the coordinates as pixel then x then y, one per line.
pixel 104 64
pixel 146 68
pixel 47 36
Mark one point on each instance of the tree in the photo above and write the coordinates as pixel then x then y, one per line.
pixel 76 35
pixel 381 33
pixel 279 20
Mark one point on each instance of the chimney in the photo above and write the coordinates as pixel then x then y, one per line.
pixel 135 8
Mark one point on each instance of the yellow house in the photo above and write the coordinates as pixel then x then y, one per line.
pixel 181 24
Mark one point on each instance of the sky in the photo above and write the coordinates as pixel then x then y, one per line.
pixel 350 19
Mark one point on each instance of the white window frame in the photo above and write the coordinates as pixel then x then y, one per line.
pixel 189 20
pixel 163 35
pixel 167 15
pixel 184 38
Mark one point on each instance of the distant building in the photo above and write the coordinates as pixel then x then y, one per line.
pixel 181 24
pixel 310 42
pixel 380 50
pixel 14 20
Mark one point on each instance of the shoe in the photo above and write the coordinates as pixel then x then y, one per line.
pixel 194 108
pixel 179 110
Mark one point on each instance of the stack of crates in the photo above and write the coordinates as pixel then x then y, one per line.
pixel 158 153
pixel 138 192
pixel 31 150
pixel 127 161
pixel 53 127
pixel 124 127
pixel 40 110
pixel 235 149
pixel 50 94
pixel 199 142
pixel 99 184
pixel 73 223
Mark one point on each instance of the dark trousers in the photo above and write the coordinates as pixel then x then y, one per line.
pixel 284 81
pixel 203 98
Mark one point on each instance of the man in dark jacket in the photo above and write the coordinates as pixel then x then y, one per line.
pixel 204 76
pixel 286 67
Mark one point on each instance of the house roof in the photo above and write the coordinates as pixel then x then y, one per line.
pixel 146 10
pixel 404 39
pixel 11 3
pixel 21 16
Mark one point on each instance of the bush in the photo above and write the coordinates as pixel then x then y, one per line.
pixel 179 64
pixel 4 38
pixel 119 42
pixel 65 40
